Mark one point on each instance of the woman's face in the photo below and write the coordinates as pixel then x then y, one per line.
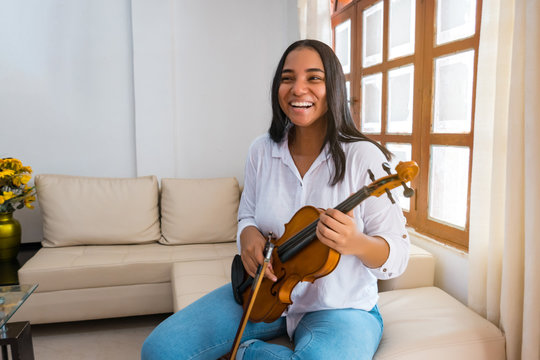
pixel 302 91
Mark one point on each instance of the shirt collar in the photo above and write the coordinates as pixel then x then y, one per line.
pixel 281 150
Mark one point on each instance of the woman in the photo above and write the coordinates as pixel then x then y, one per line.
pixel 312 155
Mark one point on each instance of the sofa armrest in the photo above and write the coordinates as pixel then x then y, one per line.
pixel 420 272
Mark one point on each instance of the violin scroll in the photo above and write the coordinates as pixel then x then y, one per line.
pixel 406 171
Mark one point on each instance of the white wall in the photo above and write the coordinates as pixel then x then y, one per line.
pixel 66 90
pixel 451 266
pixel 66 99
pixel 203 72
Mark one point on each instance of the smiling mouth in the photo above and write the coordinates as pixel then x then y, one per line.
pixel 301 105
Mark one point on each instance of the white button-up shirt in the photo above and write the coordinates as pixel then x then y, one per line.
pixel 274 191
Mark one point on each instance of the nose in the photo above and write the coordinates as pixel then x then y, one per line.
pixel 299 87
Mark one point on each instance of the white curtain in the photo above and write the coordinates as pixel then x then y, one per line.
pixel 314 20
pixel 504 248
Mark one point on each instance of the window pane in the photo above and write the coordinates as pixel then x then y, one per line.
pixel 453 93
pixel 343 45
pixel 401 32
pixel 348 89
pixel 371 103
pixel 402 152
pixel 400 100
pixel 372 38
pixel 448 184
pixel 456 19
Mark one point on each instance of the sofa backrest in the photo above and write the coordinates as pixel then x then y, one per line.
pixel 79 210
pixel 195 211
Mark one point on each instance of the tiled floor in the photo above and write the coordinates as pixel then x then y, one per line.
pixel 115 339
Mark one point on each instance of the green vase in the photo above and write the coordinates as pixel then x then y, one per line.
pixel 10 237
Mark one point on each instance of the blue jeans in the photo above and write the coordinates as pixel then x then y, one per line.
pixel 206 330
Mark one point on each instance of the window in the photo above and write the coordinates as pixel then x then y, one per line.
pixel 410 68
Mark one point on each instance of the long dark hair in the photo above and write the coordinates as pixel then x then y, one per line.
pixel 340 125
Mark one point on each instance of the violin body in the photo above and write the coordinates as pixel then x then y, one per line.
pixel 315 261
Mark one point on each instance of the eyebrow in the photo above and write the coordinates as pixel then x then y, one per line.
pixel 307 70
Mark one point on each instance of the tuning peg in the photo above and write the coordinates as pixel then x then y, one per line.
pixel 371 176
pixel 390 196
pixel 407 192
pixel 386 167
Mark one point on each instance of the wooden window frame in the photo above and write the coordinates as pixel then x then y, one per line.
pixel 422 138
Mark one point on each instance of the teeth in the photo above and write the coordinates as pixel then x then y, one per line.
pixel 302 104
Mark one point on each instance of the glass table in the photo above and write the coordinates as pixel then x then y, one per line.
pixel 16 335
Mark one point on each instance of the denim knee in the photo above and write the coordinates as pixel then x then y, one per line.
pixel 152 348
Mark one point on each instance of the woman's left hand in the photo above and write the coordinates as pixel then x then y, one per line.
pixel 339 232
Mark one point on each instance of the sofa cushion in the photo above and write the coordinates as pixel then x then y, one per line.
pixel 427 323
pixel 93 266
pixel 191 281
pixel 80 210
pixel 199 210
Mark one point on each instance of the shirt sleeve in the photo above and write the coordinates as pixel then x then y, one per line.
pixel 388 222
pixel 246 209
pixel 382 218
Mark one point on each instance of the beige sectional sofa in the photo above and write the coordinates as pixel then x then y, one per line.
pixel 125 247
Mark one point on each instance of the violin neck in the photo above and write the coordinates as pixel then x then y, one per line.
pixel 354 200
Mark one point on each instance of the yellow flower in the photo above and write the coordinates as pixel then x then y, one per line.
pixel 26 169
pixel 29 200
pixel 14 178
pixel 13 164
pixel 21 180
pixel 8 195
pixel 6 173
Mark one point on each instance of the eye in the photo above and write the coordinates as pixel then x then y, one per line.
pixel 316 78
pixel 286 78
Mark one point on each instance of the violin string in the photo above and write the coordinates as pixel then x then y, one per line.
pixel 286 251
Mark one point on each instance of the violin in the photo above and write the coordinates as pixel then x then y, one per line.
pixel 299 256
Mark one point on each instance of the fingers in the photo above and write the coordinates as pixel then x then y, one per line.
pixel 333 222
pixel 269 273
pixel 251 264
pixel 335 229
pixel 253 256
pixel 252 245
pixel 251 260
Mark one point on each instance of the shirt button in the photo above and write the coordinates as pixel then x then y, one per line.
pixel 384 270
pixel 404 236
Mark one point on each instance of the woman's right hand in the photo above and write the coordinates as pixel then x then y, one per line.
pixel 253 243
